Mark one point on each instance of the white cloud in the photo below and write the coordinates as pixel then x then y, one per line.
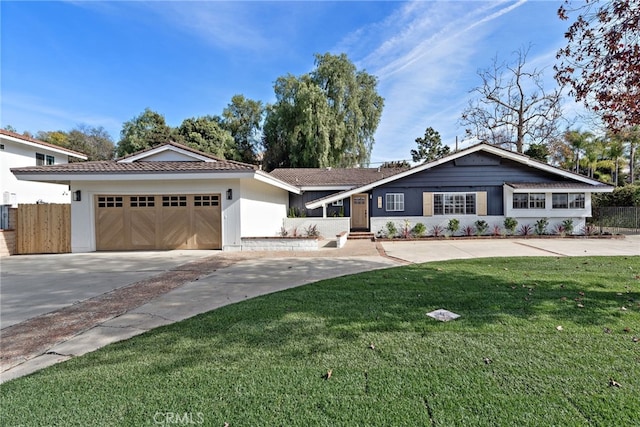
pixel 423 58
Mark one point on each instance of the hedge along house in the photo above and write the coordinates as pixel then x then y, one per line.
pixel 482 182
pixel 167 197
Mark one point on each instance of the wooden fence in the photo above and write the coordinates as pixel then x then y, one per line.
pixel 617 219
pixel 43 229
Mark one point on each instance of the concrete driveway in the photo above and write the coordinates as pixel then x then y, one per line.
pixel 31 285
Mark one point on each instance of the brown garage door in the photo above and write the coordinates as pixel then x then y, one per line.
pixel 143 222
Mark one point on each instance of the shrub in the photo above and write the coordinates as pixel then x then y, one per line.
pixel 405 230
pixel 525 230
pixel 392 231
pixel 496 231
pixel 312 231
pixel 481 227
pixel 468 230
pixel 541 226
pixel 419 229
pixel 589 230
pixel 283 232
pixel 437 230
pixel 454 226
pixel 559 229
pixel 568 225
pixel 295 212
pixel 510 224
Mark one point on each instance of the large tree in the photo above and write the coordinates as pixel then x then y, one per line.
pixel 243 118
pixel 429 147
pixel 95 142
pixel 324 118
pixel 146 130
pixel 207 135
pixel 512 107
pixel 601 61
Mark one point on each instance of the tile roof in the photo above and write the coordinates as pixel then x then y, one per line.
pixel 109 166
pixel 319 177
pixel 554 185
pixel 44 144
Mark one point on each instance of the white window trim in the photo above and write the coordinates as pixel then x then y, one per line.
pixel 451 193
pixel 338 203
pixel 398 206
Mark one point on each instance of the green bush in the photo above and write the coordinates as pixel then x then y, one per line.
pixel 628 195
pixel 392 230
pixel 481 227
pixel 510 224
pixel 541 226
pixel 454 226
pixel 419 229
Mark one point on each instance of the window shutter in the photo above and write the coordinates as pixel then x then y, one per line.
pixel 481 202
pixel 427 204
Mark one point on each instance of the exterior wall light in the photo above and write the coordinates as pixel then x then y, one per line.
pixel 76 196
pixel 229 194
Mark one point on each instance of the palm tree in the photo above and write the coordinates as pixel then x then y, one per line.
pixel 578 142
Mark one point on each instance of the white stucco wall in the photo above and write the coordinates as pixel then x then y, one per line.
pixel 255 210
pixel 263 208
pixel 14 191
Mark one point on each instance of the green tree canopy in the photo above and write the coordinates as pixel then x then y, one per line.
pixel 207 135
pixel 243 118
pixel 429 147
pixel 325 118
pixel 95 142
pixel 146 130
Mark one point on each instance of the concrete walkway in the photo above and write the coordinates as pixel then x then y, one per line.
pixel 146 290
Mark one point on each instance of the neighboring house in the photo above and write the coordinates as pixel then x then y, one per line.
pixel 17 151
pixel 482 182
pixel 167 197
pixel 171 196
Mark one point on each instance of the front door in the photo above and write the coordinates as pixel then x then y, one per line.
pixel 360 211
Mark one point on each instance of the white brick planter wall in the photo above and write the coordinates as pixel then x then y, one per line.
pixel 328 227
pixel 279 244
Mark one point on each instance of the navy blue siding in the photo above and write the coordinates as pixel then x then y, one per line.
pixel 299 200
pixel 474 172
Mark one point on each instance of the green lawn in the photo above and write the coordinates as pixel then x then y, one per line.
pixel 263 362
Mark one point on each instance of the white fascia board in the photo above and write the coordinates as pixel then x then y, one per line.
pixel 268 179
pixel 44 147
pixel 326 188
pixel 600 189
pixel 162 148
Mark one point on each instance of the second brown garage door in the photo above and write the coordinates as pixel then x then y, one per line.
pixel 144 222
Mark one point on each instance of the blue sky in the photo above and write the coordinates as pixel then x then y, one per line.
pixel 102 63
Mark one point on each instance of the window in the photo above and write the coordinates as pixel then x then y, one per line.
pixel 394 202
pixel 576 201
pixel 454 203
pixel 529 201
pixel 110 201
pixel 337 203
pixel 206 200
pixel 142 201
pixel 520 201
pixel 560 201
pixel 49 160
pixel 174 200
pixel 39 159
